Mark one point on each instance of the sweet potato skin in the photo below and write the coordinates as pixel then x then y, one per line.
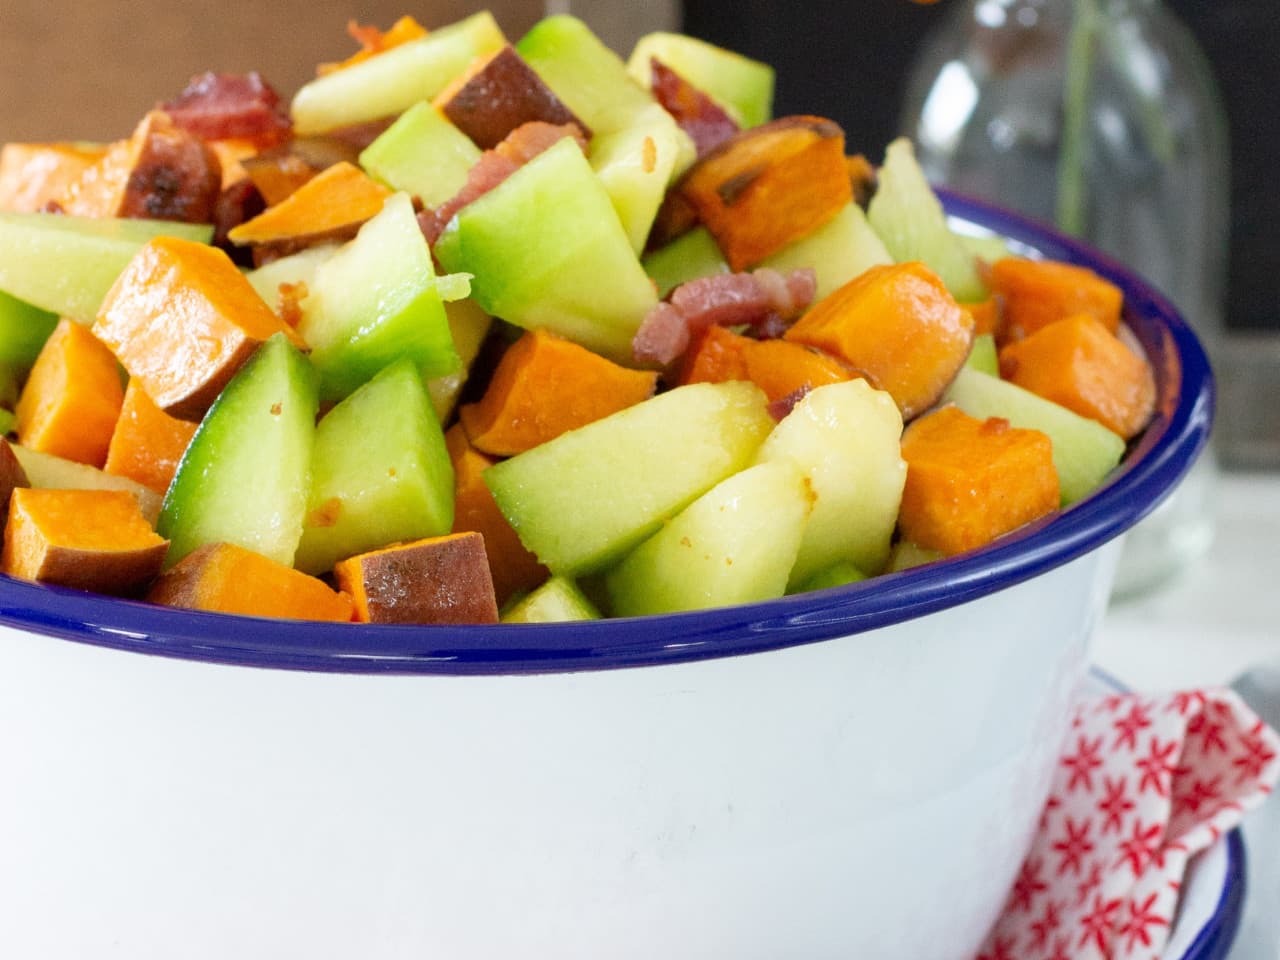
pixel 89 539
pixel 437 580
pixel 12 476
pixel 970 481
pixel 899 327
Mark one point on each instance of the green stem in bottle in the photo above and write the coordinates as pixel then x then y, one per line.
pixel 1072 187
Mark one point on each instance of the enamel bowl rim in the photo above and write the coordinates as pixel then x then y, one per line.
pixel 1149 473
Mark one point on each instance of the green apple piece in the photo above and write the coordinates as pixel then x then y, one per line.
pixel 49 472
pixel 636 163
pixel 557 601
pixel 837 575
pixel 908 216
pixel 906 555
pixel 380 472
pixel 66 264
pixel 246 473
pixel 742 86
pixel 546 249
pixel 838 251
pixel 734 544
pixel 23 331
pixel 589 496
pixel 586 75
pixel 846 439
pixel 298 267
pixel 1084 451
pixel 377 300
pixel 693 254
pixel 395 79
pixel 423 154
pixel 468 325
pixel 983 355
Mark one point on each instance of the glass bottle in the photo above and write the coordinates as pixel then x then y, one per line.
pixel 1102 117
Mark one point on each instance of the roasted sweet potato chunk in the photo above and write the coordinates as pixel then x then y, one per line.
pixel 331 205
pixel 778 367
pixel 970 481
pixel 498 94
pixel 768 186
pixel 34 174
pixel 897 325
pixel 147 443
pixel 182 319
pixel 226 578
pixel 90 539
pixel 1035 293
pixel 436 580
pixel 12 476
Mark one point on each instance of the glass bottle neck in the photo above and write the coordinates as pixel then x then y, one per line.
pixel 993 13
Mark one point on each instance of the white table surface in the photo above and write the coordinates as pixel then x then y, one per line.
pixel 1218 618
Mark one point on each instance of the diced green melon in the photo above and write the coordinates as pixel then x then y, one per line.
pixel 734 544
pixel 66 265
pixel 8 421
pixel 423 154
pixel 742 86
pixel 23 331
pixel 246 473
pixel 989 246
pixel 468 325
pixel 395 79
pixel 380 472
pixel 908 216
pixel 906 555
pixel 296 268
pixel 983 355
pixel 46 471
pixel 838 251
pixel 1084 451
pixel 546 249
pixel 557 601
pixel 636 163
pixel 837 575
pixel 846 439
pixel 584 499
pixel 586 75
pixel 375 301
pixel 693 254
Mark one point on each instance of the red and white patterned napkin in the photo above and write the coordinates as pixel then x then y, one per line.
pixel 1144 783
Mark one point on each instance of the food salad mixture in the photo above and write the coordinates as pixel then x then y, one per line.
pixel 477 330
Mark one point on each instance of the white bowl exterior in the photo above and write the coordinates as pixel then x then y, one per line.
pixel 869 796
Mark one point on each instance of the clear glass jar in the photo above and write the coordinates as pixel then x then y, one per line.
pixel 1100 116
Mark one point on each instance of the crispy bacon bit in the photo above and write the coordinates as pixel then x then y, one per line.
pixel 778 409
pixel 494 166
pixel 698 115
pixel 766 300
pixel 215 106
pixel 374 41
pixel 291 297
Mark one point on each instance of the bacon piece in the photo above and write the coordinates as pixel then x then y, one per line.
pixel 235 204
pixel 494 166
pixel 778 409
pixel 698 115
pixel 215 106
pixel 766 300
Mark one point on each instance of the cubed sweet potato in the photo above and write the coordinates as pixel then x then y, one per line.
pixel 374 41
pixel 34 174
pixel 147 443
pixel 1079 364
pixel 182 319
pixel 436 580
pixel 91 539
pixel 12 476
pixel 778 367
pixel 1035 293
pixel 226 578
pixel 970 481
pixel 768 186
pixel 897 325
pixel 331 205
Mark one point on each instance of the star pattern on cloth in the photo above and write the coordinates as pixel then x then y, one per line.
pixel 1142 786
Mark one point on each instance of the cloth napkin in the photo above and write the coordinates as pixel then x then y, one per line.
pixel 1143 784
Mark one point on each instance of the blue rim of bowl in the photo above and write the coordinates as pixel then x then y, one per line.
pixel 1150 472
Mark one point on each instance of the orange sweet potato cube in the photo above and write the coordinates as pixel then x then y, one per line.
pixel 898 326
pixel 12 476
pixel 778 367
pixel 334 203
pixel 33 174
pixel 769 185
pixel 90 539
pixel 147 443
pixel 435 580
pixel 1035 293
pixel 544 386
pixel 1079 364
pixel 71 400
pixel 182 319
pixel 970 481
pixel 226 578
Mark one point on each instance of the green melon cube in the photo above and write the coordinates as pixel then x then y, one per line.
pixel 693 254
pixel 839 250
pixel 423 154
pixel 742 86
pixel 557 601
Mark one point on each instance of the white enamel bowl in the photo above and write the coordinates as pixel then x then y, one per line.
pixel 849 773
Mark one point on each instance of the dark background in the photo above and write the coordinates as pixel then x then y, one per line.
pixel 848 61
